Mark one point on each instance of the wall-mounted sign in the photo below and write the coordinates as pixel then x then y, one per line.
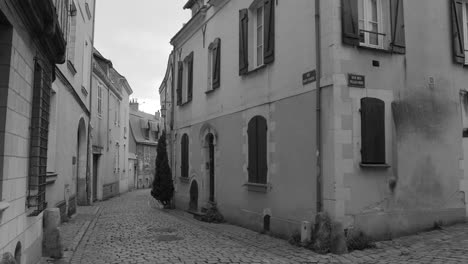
pixel 355 80
pixel 309 77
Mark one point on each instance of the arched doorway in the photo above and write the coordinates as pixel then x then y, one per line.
pixel 193 205
pixel 81 158
pixel 211 166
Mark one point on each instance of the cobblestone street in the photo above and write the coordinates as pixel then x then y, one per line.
pixel 130 229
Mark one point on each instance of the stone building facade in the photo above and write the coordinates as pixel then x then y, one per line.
pixel 341 107
pixel 32 41
pixel 110 136
pixel 69 147
pixel 145 131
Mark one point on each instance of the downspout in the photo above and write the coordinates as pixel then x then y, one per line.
pixel 90 143
pixel 318 125
pixel 171 125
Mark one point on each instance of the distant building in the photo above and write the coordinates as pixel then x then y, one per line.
pixel 145 131
pixel 166 98
pixel 110 117
pixel 32 40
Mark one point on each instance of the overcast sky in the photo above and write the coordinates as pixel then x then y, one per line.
pixel 135 36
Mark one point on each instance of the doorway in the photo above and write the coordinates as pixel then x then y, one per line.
pixel 193 205
pixel 211 166
pixel 95 176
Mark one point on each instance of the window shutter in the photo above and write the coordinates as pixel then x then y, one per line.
pixel 457 31
pixel 350 22
pixel 243 41
pixel 372 131
pixel 180 74
pixel 252 138
pixel 269 32
pixel 190 78
pixel 262 150
pixel 398 26
pixel 217 65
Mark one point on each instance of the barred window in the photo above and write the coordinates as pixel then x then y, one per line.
pixel 39 138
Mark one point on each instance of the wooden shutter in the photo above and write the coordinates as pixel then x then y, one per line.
pixel 372 131
pixel 243 41
pixel 350 22
pixel 458 39
pixel 262 150
pixel 398 26
pixel 190 77
pixel 269 32
pixel 180 75
pixel 252 138
pixel 217 64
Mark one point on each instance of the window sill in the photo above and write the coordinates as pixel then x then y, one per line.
pixel 51 177
pixel 184 104
pixel 71 67
pixel 253 71
pixel 210 91
pixel 184 179
pixel 3 206
pixel 257 187
pixel 378 49
pixel 374 166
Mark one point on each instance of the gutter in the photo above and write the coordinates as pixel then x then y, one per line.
pixel 90 145
pixel 318 125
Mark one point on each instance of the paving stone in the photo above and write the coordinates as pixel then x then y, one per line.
pixel 129 230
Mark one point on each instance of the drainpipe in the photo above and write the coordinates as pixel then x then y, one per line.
pixel 318 125
pixel 90 144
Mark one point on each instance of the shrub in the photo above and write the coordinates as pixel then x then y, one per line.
pixel 358 240
pixel 213 216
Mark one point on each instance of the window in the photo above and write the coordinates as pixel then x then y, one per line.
pixel 72 33
pixel 185 80
pixel 262 46
pixel 460 31
pixel 147 134
pixel 374 23
pixel 99 100
pixel 370 23
pixel 257 141
pixel 464 112
pixel 184 150
pixel 39 138
pixel 214 65
pixel 372 131
pixel 85 67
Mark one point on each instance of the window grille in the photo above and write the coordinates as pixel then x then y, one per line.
pixel 39 139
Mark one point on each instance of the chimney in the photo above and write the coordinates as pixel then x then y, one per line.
pixel 134 105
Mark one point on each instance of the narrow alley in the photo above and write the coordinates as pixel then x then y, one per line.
pixel 131 229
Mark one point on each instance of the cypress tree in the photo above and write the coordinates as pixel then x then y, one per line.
pixel 163 187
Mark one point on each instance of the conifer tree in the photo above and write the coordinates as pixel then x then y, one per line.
pixel 163 188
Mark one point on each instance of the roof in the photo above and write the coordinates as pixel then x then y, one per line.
pixel 189 4
pixel 138 130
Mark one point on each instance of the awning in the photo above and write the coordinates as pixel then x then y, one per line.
pixel 154 126
pixel 144 124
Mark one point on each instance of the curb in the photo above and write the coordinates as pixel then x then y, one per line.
pixel 86 227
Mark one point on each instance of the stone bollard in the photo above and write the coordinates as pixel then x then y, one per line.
pixel 8 258
pixel 338 239
pixel 306 232
pixel 52 244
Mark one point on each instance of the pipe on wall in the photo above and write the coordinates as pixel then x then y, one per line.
pixel 318 48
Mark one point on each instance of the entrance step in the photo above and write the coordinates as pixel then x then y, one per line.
pixel 196 214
